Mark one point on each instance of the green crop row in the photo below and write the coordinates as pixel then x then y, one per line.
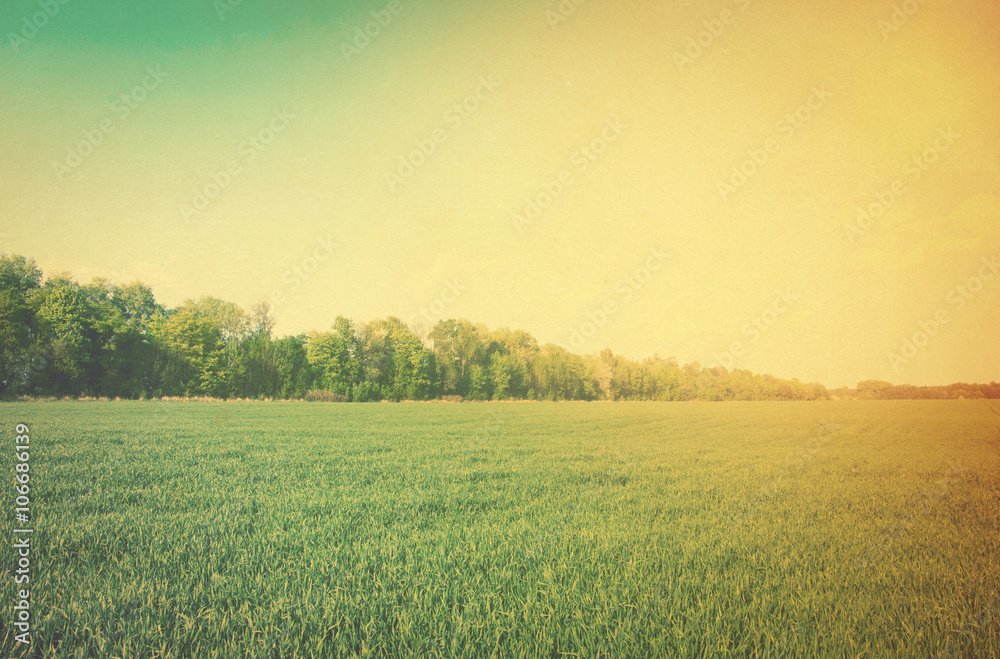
pixel 862 529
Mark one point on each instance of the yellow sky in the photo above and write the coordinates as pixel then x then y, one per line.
pixel 616 119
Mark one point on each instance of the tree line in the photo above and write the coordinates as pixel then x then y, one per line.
pixel 62 338
pixel 882 390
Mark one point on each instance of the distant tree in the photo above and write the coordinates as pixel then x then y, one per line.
pixel 295 377
pixel 68 332
pixel 193 358
pixel 259 375
pixel 19 350
pixel 507 377
pixel 396 360
pixel 337 356
pixel 869 389
pixel 563 375
pixel 604 372
pixel 108 339
pixel 123 347
pixel 19 276
pixel 260 321
pixel 457 346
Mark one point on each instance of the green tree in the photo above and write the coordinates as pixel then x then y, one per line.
pixel 457 346
pixel 395 363
pixel 562 375
pixel 123 346
pixel 193 358
pixel 70 335
pixel 20 278
pixel 260 374
pixel 336 355
pixel 869 389
pixel 507 377
pixel 511 354
pixel 295 377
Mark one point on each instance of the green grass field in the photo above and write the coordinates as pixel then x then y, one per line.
pixel 860 529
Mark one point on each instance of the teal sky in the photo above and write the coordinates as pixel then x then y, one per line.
pixel 331 126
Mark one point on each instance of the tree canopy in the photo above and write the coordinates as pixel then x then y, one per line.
pixel 61 338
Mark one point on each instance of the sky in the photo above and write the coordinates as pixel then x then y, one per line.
pixel 805 189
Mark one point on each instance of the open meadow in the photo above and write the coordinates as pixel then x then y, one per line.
pixel 170 529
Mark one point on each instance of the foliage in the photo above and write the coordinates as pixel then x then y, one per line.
pixel 878 390
pixel 104 339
